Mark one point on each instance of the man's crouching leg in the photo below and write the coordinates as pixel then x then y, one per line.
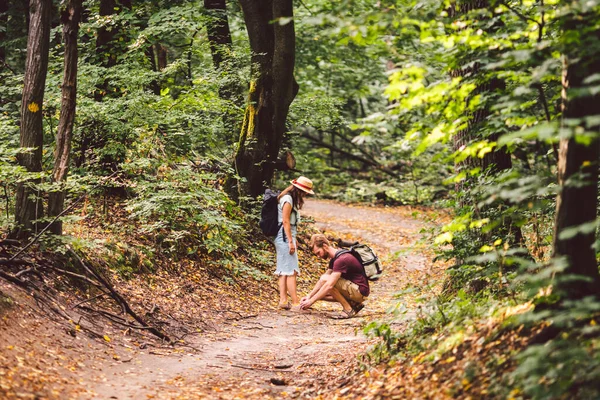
pixel 339 297
pixel 351 293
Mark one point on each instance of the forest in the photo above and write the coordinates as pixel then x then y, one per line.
pixel 460 139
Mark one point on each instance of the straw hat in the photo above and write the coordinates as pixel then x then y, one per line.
pixel 304 184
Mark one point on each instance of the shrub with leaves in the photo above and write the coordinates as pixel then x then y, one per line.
pixel 184 211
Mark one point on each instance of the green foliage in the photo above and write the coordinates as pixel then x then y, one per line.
pixel 562 367
pixel 183 211
pixel 566 363
pixel 441 323
pixel 401 102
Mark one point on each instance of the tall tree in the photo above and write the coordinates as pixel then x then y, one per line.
pixel 28 207
pixel 470 69
pixel 3 29
pixel 272 90
pixel 576 203
pixel 219 35
pixel 70 17
pixel 497 159
pixel 106 50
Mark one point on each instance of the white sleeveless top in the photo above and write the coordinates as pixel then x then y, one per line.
pixel 294 216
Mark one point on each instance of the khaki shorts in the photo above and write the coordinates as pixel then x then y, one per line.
pixel 349 290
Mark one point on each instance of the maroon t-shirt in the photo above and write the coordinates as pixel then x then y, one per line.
pixel 351 270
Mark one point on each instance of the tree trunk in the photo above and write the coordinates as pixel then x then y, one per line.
pixel 105 42
pixel 578 167
pixel 106 58
pixel 498 159
pixel 162 54
pixel 28 207
pixel 154 85
pixel 70 17
pixel 272 90
pixel 219 35
pixel 3 29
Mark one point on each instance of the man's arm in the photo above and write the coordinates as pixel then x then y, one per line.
pixel 323 290
pixel 318 286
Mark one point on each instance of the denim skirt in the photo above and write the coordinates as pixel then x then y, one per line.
pixel 286 263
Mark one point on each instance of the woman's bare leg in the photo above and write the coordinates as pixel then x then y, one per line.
pixel 283 290
pixel 291 286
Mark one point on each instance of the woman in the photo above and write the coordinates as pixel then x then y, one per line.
pixel 291 201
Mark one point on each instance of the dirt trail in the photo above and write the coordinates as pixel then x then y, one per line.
pixel 306 354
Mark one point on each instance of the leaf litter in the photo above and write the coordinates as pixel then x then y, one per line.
pixel 235 343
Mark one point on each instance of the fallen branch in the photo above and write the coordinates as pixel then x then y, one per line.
pixel 10 261
pixel 23 272
pixel 116 319
pixel 13 279
pixel 118 298
pixel 90 299
pixel 240 315
pixel 257 368
pixel 73 274
pixel 9 242
pixel 264 326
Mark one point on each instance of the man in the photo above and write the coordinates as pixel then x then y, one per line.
pixel 344 282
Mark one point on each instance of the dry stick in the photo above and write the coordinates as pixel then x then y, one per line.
pixel 23 272
pixel 117 297
pixel 87 300
pixel 116 319
pixel 40 299
pixel 66 210
pixel 13 279
pixel 9 242
pixel 242 317
pixel 257 368
pixel 14 262
pixel 264 326
pixel 83 278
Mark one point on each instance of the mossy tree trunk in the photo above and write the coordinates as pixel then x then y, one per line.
pixel 70 16
pixel 28 206
pixel 272 90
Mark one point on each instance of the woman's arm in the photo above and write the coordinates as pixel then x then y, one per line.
pixel 287 226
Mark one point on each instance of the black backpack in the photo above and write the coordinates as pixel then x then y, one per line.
pixel 367 258
pixel 269 223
